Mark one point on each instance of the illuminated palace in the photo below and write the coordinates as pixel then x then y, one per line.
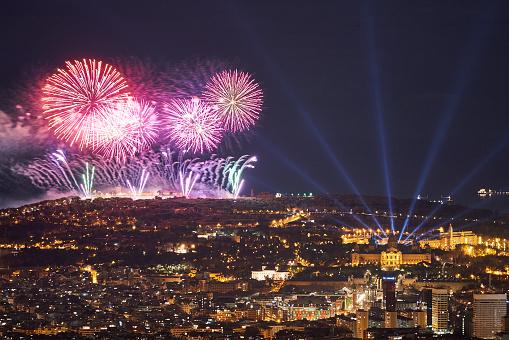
pixel 390 257
pixel 449 240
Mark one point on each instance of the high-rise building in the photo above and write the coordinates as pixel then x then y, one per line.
pixel 389 287
pixel 464 322
pixel 361 323
pixel 489 309
pixel 440 311
pixel 427 298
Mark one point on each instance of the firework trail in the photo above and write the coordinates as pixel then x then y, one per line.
pixel 208 171
pixel 48 173
pixel 232 171
pixel 58 157
pixel 76 99
pixel 45 175
pixel 217 176
pixel 141 185
pixel 131 127
pixel 88 182
pixel 180 174
pixel 174 171
pixel 22 139
pixel 235 173
pixel 225 170
pixel 166 167
pixel 237 98
pixel 236 193
pixel 192 125
pixel 187 183
pixel 223 174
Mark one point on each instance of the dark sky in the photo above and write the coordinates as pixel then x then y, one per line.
pixel 357 94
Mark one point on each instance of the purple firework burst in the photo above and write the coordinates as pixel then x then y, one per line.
pixel 192 125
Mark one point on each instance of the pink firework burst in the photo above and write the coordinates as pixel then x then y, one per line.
pixel 237 98
pixel 76 99
pixel 192 125
pixel 130 127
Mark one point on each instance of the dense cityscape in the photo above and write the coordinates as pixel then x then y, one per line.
pixel 252 268
pixel 247 170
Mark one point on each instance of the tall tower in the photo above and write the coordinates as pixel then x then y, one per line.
pixel 427 298
pixel 389 287
pixel 489 310
pixel 440 311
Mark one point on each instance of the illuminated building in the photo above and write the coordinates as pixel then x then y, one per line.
pixel 391 258
pixel 489 309
pixel 391 319
pixel 419 317
pixel 271 274
pixel 451 239
pixel 310 308
pixel 489 192
pixel 225 287
pixel 440 311
pixel 361 323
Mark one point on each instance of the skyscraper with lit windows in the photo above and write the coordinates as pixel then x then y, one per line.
pixel 440 311
pixel 489 309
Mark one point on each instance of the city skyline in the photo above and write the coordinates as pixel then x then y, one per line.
pixel 250 268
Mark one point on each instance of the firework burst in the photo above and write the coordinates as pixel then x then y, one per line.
pixel 192 125
pixel 75 100
pixel 88 105
pixel 237 98
pixel 131 127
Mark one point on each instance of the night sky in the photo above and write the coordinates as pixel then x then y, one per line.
pixel 359 96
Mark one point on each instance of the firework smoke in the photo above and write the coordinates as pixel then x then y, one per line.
pixel 189 78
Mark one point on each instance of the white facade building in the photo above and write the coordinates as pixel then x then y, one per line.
pixel 271 274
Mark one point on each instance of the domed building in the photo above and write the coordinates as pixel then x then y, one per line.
pixel 389 256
